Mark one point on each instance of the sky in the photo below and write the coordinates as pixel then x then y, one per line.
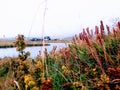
pixel 57 18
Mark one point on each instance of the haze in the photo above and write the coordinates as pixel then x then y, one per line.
pixel 63 18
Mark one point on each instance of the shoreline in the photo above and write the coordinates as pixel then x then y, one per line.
pixel 10 43
pixel 27 45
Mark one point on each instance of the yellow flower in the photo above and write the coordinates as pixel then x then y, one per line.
pixel 63 67
pixel 77 84
pixel 35 88
pixel 105 78
pixel 94 69
pixel 31 83
pixel 65 70
pixel 39 65
pixel 27 78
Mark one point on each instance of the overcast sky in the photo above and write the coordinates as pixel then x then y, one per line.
pixel 63 17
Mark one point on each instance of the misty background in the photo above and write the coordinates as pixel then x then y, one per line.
pixel 62 18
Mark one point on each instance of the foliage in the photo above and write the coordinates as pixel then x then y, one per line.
pixel 90 62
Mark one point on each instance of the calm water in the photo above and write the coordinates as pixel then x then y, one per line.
pixel 33 50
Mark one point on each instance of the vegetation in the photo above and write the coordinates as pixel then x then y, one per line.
pixel 91 62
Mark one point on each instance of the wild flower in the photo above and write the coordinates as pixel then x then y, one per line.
pixel 108 29
pixel 102 29
pixel 78 86
pixel 96 30
pixel 118 25
pixel 27 78
pixel 39 65
pixel 88 32
pixel 114 32
pixel 90 62
pixel 65 70
pixel 35 88
pixel 29 82
pixel 104 78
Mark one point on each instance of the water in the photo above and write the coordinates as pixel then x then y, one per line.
pixel 34 51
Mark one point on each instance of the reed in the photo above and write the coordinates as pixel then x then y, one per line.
pixel 91 62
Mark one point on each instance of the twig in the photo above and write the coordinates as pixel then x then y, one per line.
pixel 17 84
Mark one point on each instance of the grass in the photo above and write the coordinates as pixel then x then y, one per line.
pixel 91 62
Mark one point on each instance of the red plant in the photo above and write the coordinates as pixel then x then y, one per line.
pixel 119 25
pixel 108 29
pixel 96 30
pixel 47 85
pixel 102 29
pixel 114 32
pixel 98 37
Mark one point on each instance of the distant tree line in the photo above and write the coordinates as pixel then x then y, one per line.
pixel 40 39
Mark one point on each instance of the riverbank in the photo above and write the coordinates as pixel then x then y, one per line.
pixel 10 43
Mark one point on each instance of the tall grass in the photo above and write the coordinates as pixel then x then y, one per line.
pixel 91 62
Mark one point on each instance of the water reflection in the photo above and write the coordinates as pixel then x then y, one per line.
pixel 11 52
